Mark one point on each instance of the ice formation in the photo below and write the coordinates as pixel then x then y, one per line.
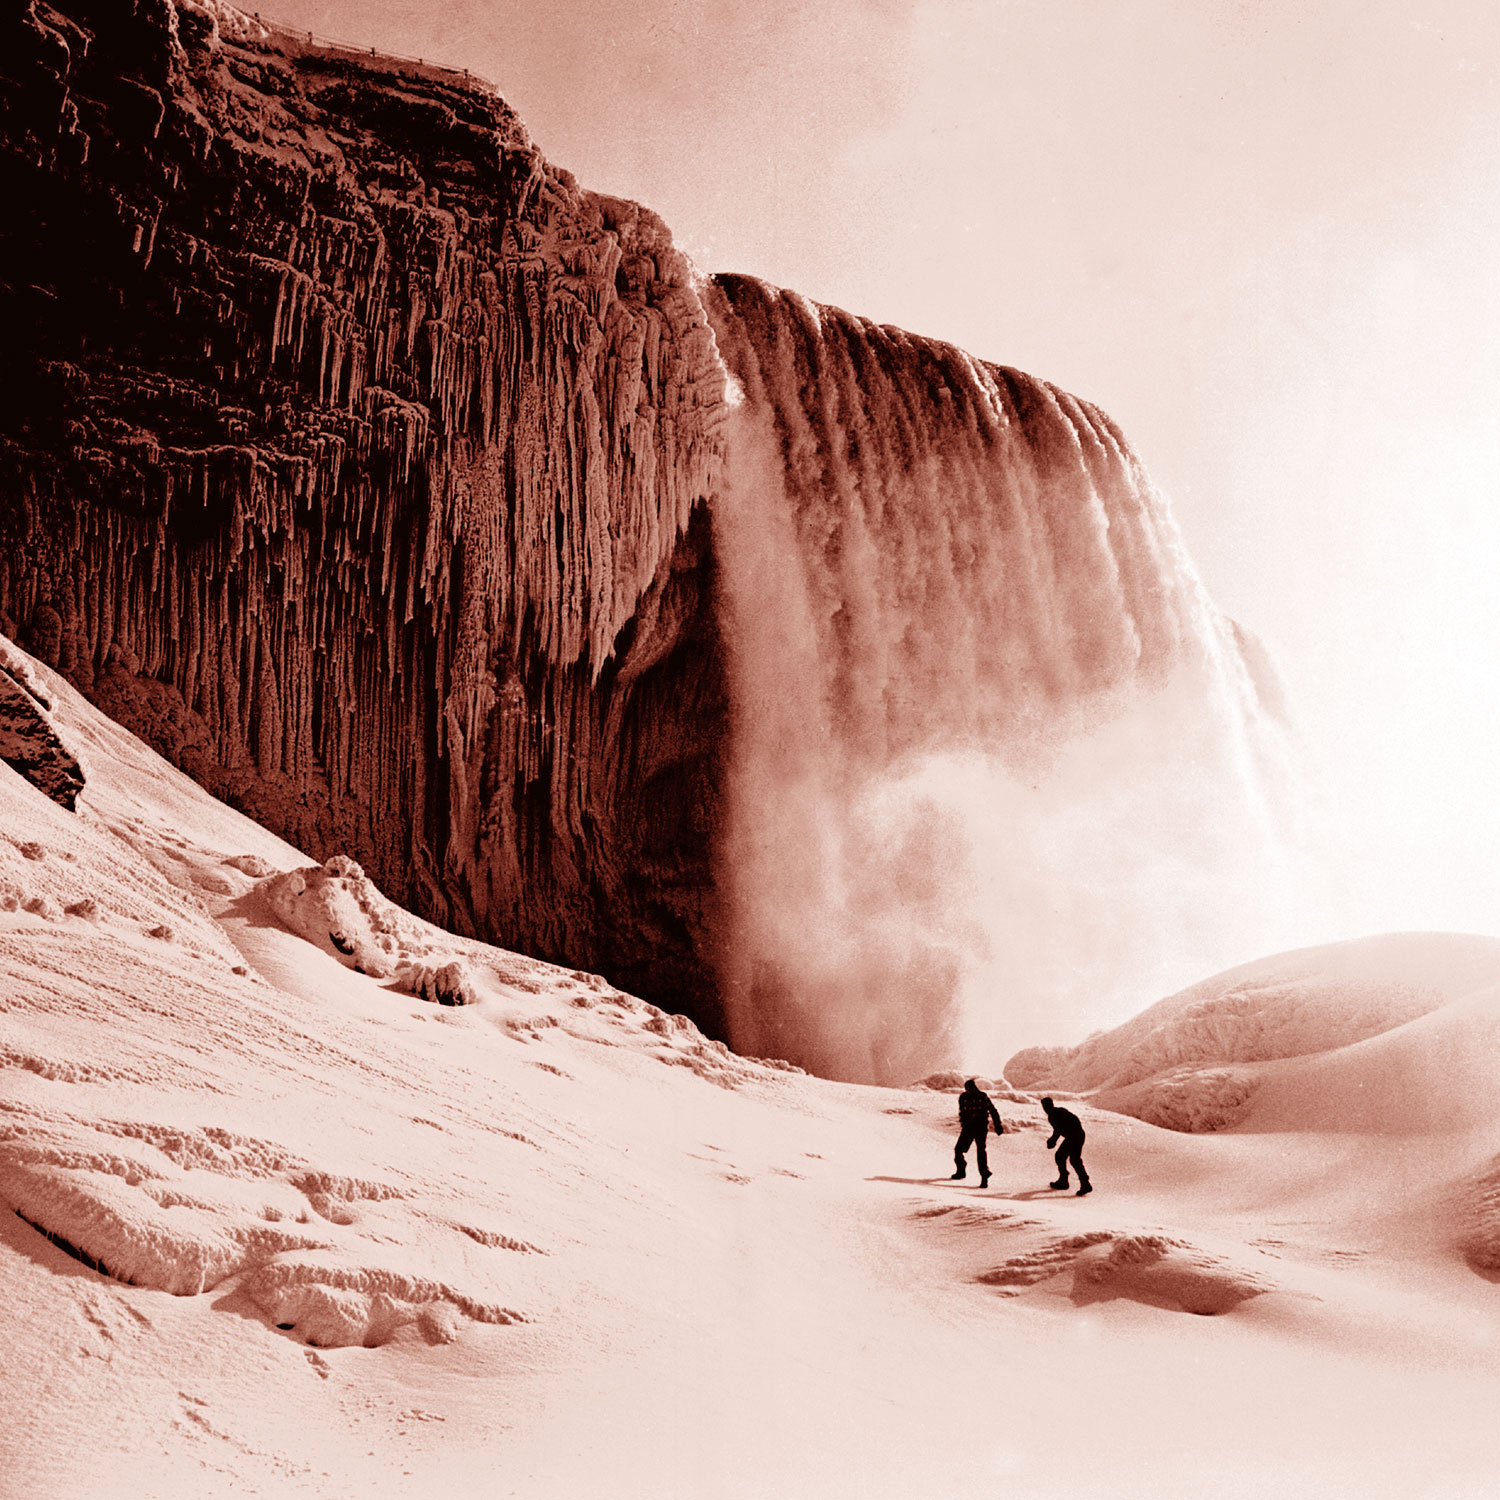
pixel 1288 1005
pixel 1157 1269
pixel 351 461
pixel 993 747
pixel 435 512
pixel 1232 1045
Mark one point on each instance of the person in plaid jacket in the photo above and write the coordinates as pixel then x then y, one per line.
pixel 975 1111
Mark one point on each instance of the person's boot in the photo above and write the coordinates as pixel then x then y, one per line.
pixel 984 1181
pixel 1061 1182
pixel 1083 1188
pixel 958 1176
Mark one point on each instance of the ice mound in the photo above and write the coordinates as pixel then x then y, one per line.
pixel 1166 1272
pixel 192 1211
pixel 330 1305
pixel 1481 1244
pixel 1392 1035
pixel 1434 1076
pixel 1147 1267
pixel 1194 1100
pixel 1014 1275
pixel 450 983
pixel 1290 1005
pixel 950 1082
pixel 121 1203
pixel 675 1040
pixel 338 908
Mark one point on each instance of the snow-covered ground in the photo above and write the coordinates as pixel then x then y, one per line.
pixel 276 1219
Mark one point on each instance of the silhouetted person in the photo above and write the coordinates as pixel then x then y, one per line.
pixel 1067 1128
pixel 975 1111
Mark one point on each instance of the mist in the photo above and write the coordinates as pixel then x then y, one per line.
pixel 999 767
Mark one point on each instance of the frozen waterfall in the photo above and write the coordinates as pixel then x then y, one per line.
pixel 997 760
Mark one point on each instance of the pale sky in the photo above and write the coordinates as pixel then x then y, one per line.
pixel 1263 236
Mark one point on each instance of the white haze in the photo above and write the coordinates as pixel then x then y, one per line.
pixel 918 879
pixel 1016 905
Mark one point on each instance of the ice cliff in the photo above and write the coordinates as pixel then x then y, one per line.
pixel 385 480
pixel 351 454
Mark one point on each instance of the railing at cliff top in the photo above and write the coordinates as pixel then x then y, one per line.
pixel 373 56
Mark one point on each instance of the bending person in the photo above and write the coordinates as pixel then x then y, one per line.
pixel 975 1111
pixel 1068 1129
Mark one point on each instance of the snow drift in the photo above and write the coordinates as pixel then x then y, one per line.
pixel 271 1223
pixel 1296 1041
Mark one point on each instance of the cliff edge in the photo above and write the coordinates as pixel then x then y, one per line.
pixel 356 459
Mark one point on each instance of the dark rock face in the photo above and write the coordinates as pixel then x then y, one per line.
pixel 30 743
pixel 357 460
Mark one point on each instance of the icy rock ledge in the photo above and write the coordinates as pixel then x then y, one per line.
pixel 29 741
pixel 338 908
pixel 332 1259
pixel 444 984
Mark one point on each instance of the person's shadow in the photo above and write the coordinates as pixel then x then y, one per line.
pixel 966 1184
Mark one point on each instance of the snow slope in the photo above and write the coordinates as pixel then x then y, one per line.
pixel 1196 1060
pixel 273 1225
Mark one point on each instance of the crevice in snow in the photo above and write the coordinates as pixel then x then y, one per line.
pixel 69 1248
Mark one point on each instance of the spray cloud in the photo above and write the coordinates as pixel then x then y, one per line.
pixel 998 763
